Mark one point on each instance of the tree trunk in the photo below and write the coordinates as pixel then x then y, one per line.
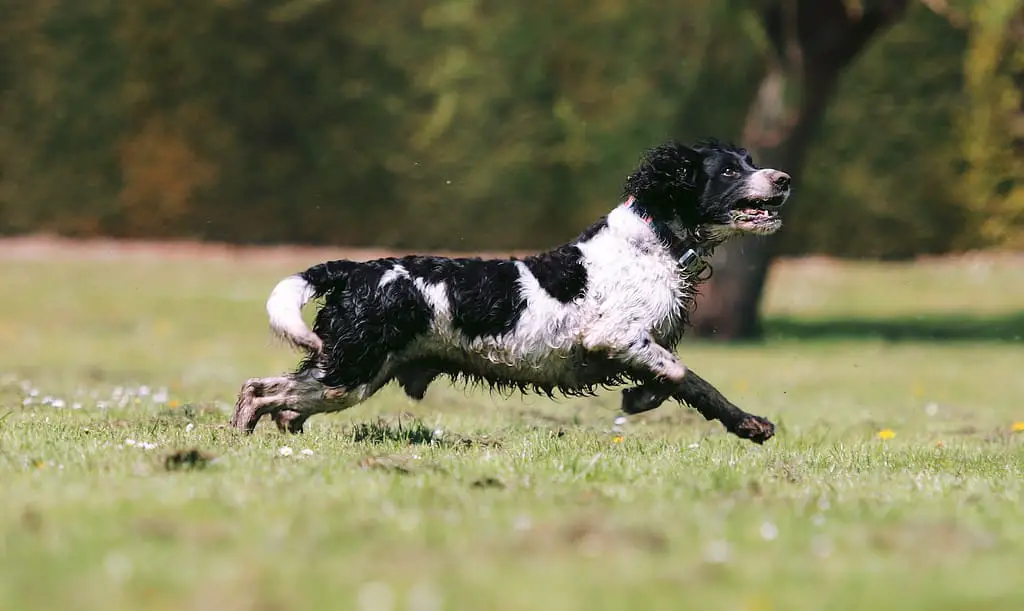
pixel 813 40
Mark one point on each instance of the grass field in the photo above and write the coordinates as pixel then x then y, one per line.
pixel 111 364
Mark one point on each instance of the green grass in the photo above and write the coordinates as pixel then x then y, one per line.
pixel 468 501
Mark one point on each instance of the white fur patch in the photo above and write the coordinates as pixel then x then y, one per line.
pixel 284 307
pixel 635 286
pixel 393 274
pixel 761 184
pixel 634 290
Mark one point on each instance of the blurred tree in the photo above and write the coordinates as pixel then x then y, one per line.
pixel 477 124
pixel 993 134
pixel 884 177
pixel 810 43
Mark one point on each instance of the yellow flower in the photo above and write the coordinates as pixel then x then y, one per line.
pixel 173 403
pixel 886 434
pixel 939 444
pixel 1018 427
pixel 617 439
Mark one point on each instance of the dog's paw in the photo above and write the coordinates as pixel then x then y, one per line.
pixel 754 428
pixel 640 399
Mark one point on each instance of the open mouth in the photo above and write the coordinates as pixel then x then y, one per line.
pixel 756 220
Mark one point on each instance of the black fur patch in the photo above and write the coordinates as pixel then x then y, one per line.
pixel 560 272
pixel 483 293
pixel 589 233
pixel 360 324
pixel 330 275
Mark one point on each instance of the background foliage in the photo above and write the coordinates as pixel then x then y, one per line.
pixel 481 124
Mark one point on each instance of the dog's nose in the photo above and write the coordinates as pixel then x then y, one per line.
pixel 781 180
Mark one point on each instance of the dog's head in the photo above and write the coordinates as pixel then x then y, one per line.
pixel 712 187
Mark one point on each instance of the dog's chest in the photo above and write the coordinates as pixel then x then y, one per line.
pixel 635 286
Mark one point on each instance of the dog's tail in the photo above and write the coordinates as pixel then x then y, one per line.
pixel 284 306
pixel 285 310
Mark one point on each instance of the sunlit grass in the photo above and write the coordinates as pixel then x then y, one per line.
pixel 895 481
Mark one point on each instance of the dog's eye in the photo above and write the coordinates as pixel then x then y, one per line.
pixel 730 173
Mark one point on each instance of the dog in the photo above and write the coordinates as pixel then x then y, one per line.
pixel 605 309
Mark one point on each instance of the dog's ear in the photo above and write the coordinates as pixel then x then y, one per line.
pixel 688 162
pixel 664 170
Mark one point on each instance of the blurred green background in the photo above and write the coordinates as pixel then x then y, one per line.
pixel 481 124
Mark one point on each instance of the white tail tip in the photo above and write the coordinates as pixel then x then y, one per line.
pixel 284 306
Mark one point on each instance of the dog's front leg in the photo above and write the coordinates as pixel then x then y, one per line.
pixel 699 394
pixel 664 368
pixel 646 355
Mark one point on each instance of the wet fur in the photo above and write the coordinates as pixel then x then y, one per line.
pixel 605 309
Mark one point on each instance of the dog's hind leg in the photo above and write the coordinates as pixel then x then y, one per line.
pixel 289 420
pixel 259 396
pixel 289 399
pixel 307 396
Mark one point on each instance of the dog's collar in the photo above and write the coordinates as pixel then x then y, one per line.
pixel 688 257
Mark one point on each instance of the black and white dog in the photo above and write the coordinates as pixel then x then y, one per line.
pixel 607 308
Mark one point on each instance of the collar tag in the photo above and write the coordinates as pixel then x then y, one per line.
pixel 691 262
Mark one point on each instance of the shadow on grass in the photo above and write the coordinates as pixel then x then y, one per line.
pixel 382 431
pixel 1007 328
pixel 414 432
